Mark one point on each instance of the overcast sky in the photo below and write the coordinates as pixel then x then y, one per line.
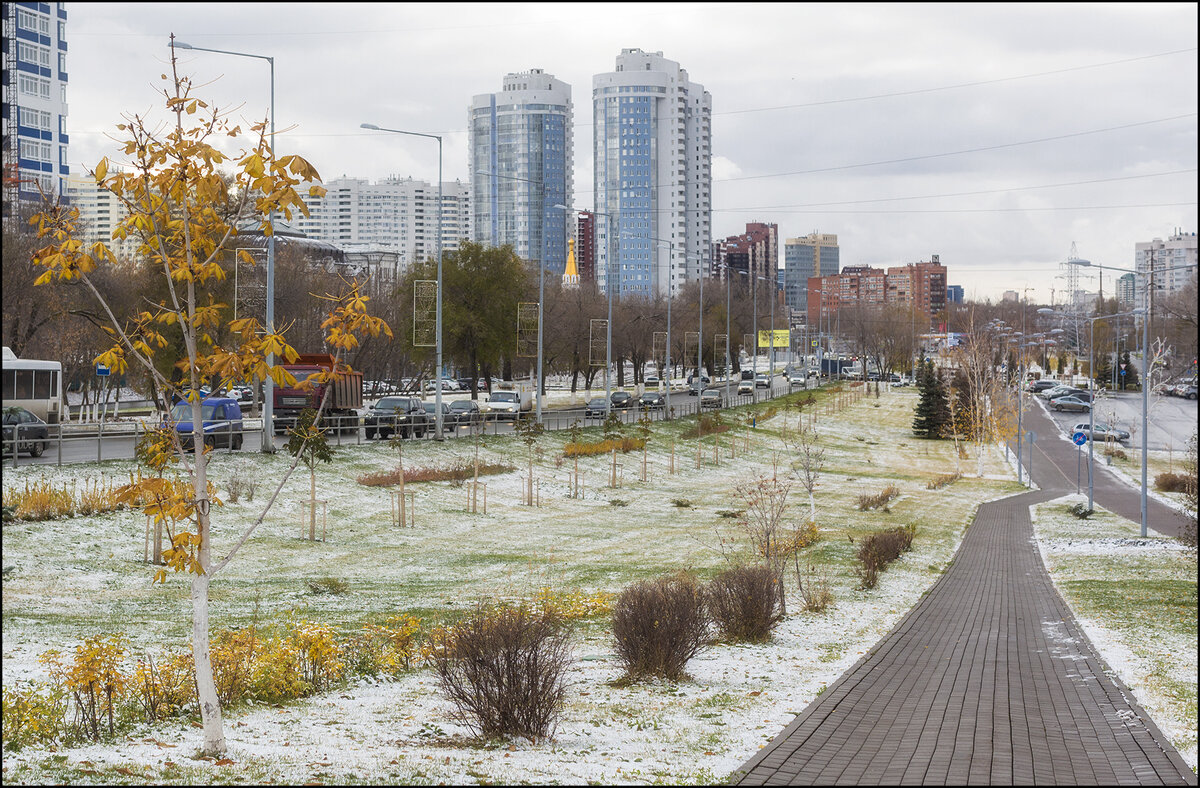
pixel 991 135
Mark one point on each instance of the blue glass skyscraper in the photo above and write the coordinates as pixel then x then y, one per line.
pixel 521 167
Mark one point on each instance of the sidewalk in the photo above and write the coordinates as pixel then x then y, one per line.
pixel 988 680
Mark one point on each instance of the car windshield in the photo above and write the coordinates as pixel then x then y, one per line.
pixel 430 407
pixel 12 415
pixel 390 403
pixel 597 402
pixel 461 405
pixel 183 411
pixel 503 396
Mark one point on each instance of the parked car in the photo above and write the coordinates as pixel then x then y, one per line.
pixel 464 412
pixel 403 415
pixel 651 381
pixel 762 380
pixel 242 394
pixel 653 400
pixel 221 419
pixel 1040 385
pixel 1101 431
pixel 711 398
pixel 1189 391
pixel 1060 391
pixel 745 387
pixel 1071 402
pixel 30 432
pixel 431 386
pixel 623 400
pixel 597 408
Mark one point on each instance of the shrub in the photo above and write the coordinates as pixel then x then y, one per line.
pixel 242 481
pixel 33 714
pixel 659 625
pixel 816 588
pixel 879 550
pixel 164 688
pixel 788 544
pixel 233 653
pixel 606 446
pixel 43 501
pixel 383 650
pixel 320 655
pixel 1116 454
pixel 327 585
pixel 1173 482
pixel 879 500
pixel 1081 511
pixel 94 681
pixel 744 603
pixel 681 503
pixel 707 424
pixel 504 669
pixel 458 472
pixel 942 480
pixel 573 605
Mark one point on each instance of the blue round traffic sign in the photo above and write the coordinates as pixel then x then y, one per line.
pixel 1079 438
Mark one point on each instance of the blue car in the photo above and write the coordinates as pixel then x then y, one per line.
pixel 222 419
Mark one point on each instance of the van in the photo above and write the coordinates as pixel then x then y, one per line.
pixel 222 422
pixel 509 404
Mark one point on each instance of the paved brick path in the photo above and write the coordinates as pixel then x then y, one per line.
pixel 988 680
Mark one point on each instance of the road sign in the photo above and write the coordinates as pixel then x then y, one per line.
pixel 1122 372
pixel 815 343
pixel 1079 439
pixel 1031 436
pixel 101 371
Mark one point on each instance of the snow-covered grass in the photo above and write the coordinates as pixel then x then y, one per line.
pixel 73 578
pixel 1136 600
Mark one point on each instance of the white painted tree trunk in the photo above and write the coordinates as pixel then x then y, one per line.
pixel 206 687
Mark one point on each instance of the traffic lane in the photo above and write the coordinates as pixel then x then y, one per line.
pixel 1054 467
pixel 1172 420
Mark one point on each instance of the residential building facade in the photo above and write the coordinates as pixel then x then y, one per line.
pixel 99 214
pixel 652 176
pixel 1152 259
pixel 1127 289
pixel 35 140
pixel 920 285
pixel 815 254
pixel 397 214
pixel 521 164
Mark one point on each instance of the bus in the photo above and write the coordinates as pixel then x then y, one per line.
pixel 33 385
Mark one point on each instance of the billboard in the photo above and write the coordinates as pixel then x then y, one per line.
pixel 782 338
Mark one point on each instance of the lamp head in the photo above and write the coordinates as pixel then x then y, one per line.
pixel 370 126
pixel 1077 261
pixel 181 45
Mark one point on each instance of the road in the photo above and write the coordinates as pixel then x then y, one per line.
pixel 82 443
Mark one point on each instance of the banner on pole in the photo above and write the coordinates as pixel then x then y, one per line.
pixel 527 329
pixel 425 313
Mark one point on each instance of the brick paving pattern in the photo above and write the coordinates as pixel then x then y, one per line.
pixel 988 680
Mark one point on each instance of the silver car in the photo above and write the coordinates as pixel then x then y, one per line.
pixel 1101 431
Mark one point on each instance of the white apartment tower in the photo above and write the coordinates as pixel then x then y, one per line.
pixel 521 166
pixel 100 212
pixel 35 101
pixel 1152 260
pixel 395 213
pixel 653 176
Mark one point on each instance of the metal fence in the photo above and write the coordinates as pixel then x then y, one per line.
pixel 72 443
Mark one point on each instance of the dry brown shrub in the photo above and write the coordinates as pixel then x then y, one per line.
pixel 659 625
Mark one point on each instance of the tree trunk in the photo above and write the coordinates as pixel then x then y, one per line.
pixel 206 687
pixel 312 503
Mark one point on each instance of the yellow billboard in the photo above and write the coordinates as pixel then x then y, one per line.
pixel 782 338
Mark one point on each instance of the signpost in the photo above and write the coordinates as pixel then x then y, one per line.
pixel 1030 437
pixel 1078 439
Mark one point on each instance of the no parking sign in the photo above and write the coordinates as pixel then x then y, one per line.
pixel 1079 438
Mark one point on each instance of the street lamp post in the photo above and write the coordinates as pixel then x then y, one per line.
pixel 1145 362
pixel 268 412
pixel 438 321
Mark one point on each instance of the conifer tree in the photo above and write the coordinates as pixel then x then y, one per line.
pixel 932 416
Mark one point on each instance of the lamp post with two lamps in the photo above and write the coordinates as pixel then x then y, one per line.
pixel 438 320
pixel 268 411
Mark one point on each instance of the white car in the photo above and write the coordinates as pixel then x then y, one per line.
pixel 447 385
pixel 745 387
pixel 762 380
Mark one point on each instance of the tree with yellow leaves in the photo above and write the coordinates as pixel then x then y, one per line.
pixel 185 212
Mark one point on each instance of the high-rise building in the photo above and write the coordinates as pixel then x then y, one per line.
pixel 1153 258
pixel 954 294
pixel 521 165
pixel 585 260
pixel 99 214
pixel 35 101
pixel 653 176
pixel 755 251
pixel 1126 289
pixel 815 254
pixel 922 285
pixel 393 214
